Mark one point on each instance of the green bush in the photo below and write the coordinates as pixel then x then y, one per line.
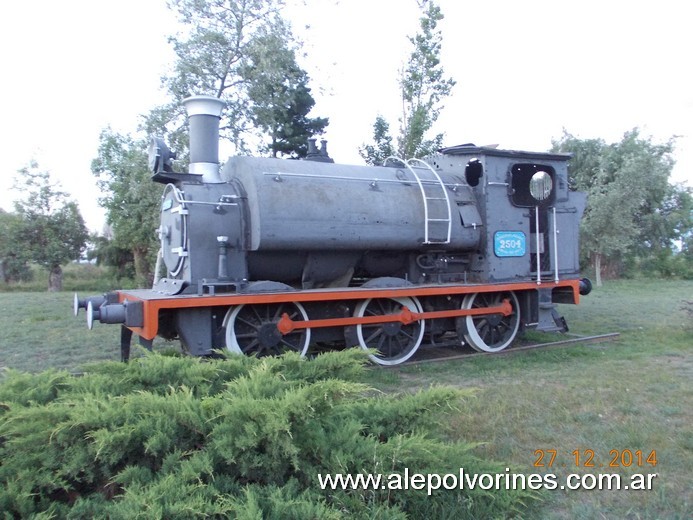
pixel 81 277
pixel 663 264
pixel 246 438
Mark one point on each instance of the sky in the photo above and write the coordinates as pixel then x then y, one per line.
pixel 525 71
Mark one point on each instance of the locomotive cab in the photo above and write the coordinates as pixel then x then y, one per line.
pixel 530 218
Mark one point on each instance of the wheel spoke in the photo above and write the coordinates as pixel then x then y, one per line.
pixel 249 346
pixel 492 335
pixel 254 309
pixel 254 325
pixel 401 340
pixel 374 335
pixel 246 335
pixel 480 323
pixel 292 346
pixel 405 333
pixel 277 312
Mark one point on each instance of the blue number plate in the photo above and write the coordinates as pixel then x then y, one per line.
pixel 509 243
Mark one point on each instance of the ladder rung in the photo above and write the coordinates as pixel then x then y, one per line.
pixel 438 220
pixel 436 198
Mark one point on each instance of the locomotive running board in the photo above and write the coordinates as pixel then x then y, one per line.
pixel 286 325
pixel 154 302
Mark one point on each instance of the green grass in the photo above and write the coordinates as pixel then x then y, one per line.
pixel 635 393
pixel 38 331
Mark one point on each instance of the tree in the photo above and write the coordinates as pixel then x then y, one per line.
pixel 240 52
pixel 52 230
pixel 381 148
pixel 14 266
pixel 106 252
pixel 280 97
pixel 130 198
pixel 423 86
pixel 632 209
pixel 608 229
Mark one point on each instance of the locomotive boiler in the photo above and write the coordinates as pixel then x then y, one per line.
pixel 471 245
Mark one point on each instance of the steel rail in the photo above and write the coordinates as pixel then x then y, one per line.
pixel 600 338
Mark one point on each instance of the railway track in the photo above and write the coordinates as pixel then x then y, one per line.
pixel 438 354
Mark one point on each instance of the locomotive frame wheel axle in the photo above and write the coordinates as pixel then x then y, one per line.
pixel 155 303
pixel 286 325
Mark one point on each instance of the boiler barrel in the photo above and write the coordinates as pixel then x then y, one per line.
pixel 312 206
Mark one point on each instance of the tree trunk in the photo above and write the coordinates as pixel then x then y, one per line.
pixel 142 273
pixel 55 279
pixel 598 268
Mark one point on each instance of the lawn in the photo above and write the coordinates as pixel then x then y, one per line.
pixel 633 395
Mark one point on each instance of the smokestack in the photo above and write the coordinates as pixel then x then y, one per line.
pixel 317 155
pixel 204 113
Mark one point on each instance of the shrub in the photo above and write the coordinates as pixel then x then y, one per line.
pixel 241 437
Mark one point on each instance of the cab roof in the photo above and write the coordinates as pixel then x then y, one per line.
pixel 471 149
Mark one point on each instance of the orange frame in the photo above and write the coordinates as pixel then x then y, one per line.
pixel 154 302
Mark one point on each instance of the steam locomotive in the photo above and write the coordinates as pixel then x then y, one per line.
pixel 472 245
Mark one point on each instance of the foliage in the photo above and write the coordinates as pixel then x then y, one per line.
pixel 52 231
pixel 661 263
pixel 280 97
pixel 180 437
pixel 423 86
pixel 77 277
pixel 106 252
pixel 381 148
pixel 131 201
pixel 240 52
pixel 14 261
pixel 632 209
